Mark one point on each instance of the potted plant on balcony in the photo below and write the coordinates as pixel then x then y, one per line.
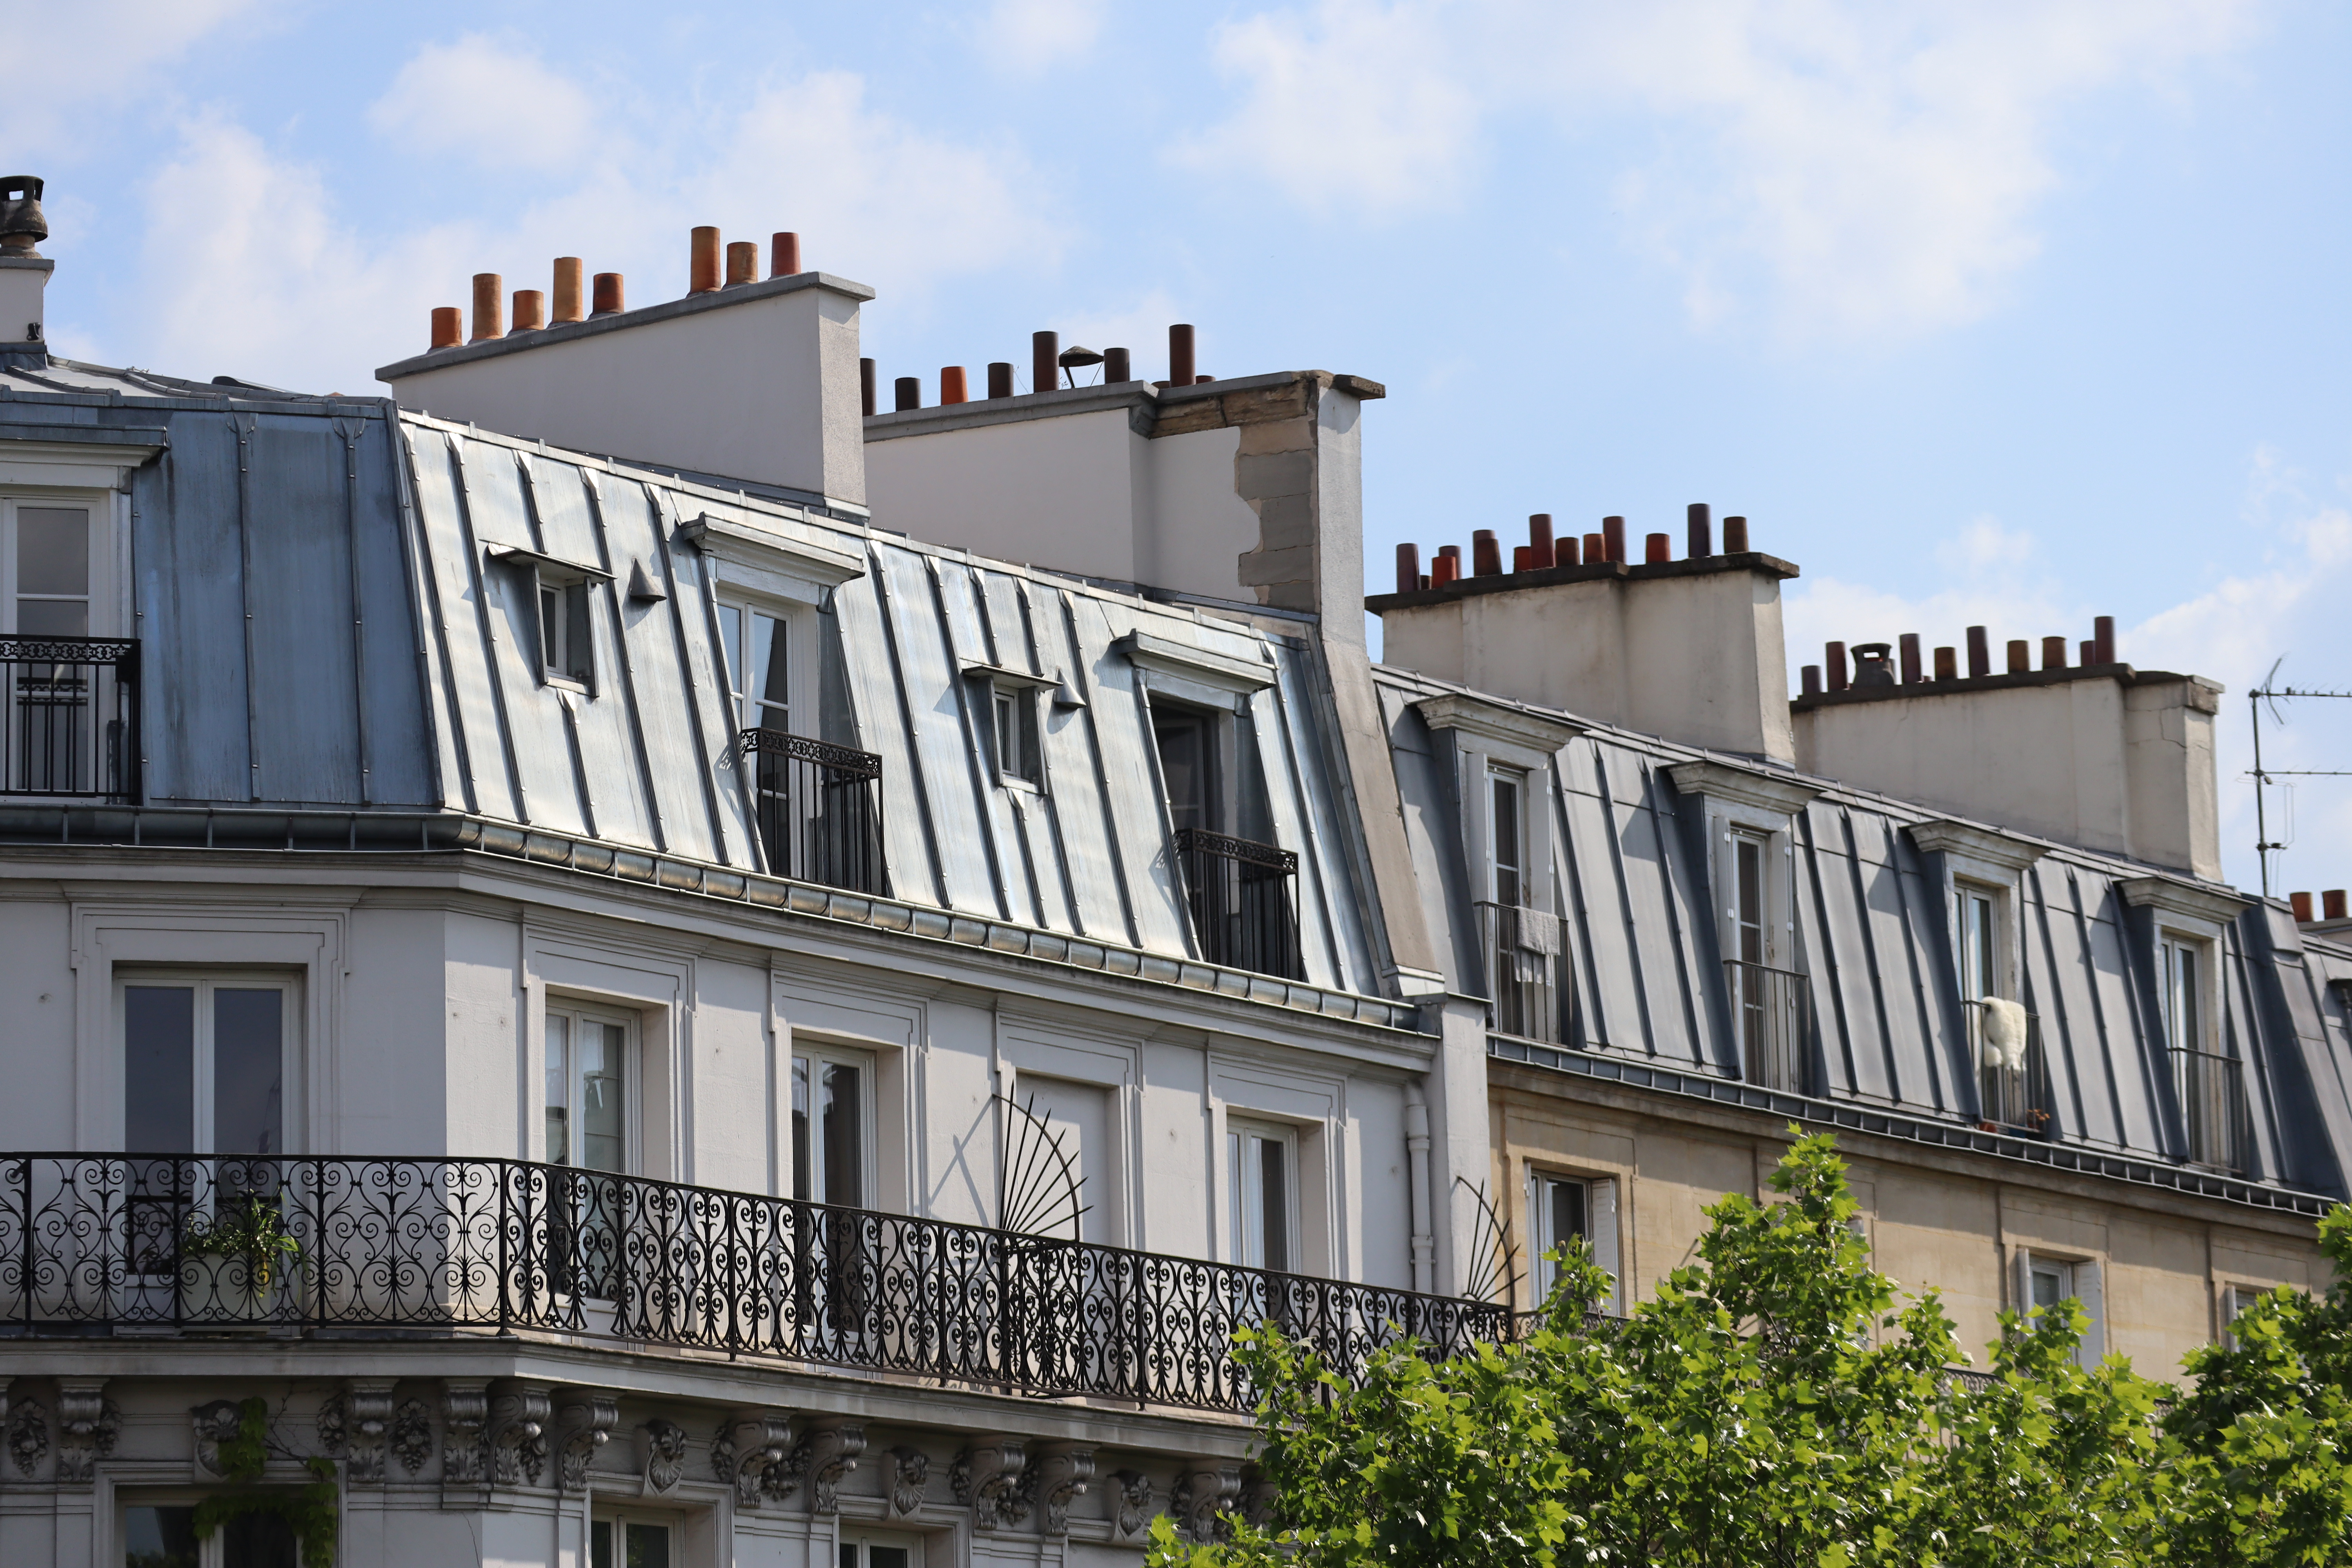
pixel 237 1263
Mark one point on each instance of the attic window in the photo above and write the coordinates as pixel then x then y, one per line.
pixel 562 591
pixel 1017 752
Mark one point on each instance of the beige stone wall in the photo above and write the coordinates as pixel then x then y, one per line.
pixel 1935 1219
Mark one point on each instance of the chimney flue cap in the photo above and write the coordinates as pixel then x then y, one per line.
pixel 22 225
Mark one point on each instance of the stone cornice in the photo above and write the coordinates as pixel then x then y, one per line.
pixel 1946 837
pixel 1778 793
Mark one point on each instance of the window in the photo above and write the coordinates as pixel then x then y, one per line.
pixel 205 1064
pixel 759 669
pixel 566 646
pixel 2184 1014
pixel 1979 944
pixel 831 1118
pixel 864 1550
pixel 631 1540
pixel 2044 1282
pixel 1018 756
pixel 1188 760
pixel 164 1536
pixel 1263 1181
pixel 1507 836
pixel 1562 1210
pixel 45 571
pixel 2051 1282
pixel 588 1089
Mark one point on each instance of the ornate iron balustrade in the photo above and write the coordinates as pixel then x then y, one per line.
pixel 1244 901
pixel 2013 1099
pixel 1526 979
pixel 99 1242
pixel 819 808
pixel 70 717
pixel 2213 1108
pixel 1771 1017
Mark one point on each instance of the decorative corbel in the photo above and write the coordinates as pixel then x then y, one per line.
pixel 1259 1493
pixel 215 1424
pixel 1204 1493
pixel 517 1434
pixel 986 1478
pixel 661 1455
pixel 1058 1472
pixel 411 1435
pixel 28 1421
pixel 1133 1514
pixel 464 1412
pixel 88 1425
pixel 748 1443
pixel 904 1473
pixel 824 1454
pixel 583 1424
pixel 353 1423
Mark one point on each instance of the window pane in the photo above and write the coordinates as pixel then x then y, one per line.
pixel 845 1148
pixel 1567 1220
pixel 159 1069
pixel 258 1541
pixel 775 691
pixel 559 1089
pixel 52 617
pixel 550 627
pixel 885 1557
pixel 249 1072
pixel 600 1544
pixel 603 1131
pixel 52 550
pixel 1749 858
pixel 849 1554
pixel 1276 1203
pixel 1506 829
pixel 579 643
pixel 648 1546
pixel 158 1538
pixel 803 1156
pixel 2049 1287
pixel 1183 767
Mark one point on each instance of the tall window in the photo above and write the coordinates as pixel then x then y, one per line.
pixel 1506 835
pixel 1264 1165
pixel 758 667
pixel 1750 931
pixel 632 1539
pixel 1563 1210
pixel 566 646
pixel 2050 1283
pixel 587 1089
pixel 2184 1014
pixel 1018 755
pixel 165 1537
pixel 204 1065
pixel 1187 746
pixel 1980 945
pixel 46 566
pixel 831 1117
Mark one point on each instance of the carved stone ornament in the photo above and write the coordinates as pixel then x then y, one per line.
pixel 584 1425
pixel 904 1473
pixel 88 1425
pixel 825 1454
pixel 411 1435
pixel 28 1435
pixel 215 1424
pixel 1132 1517
pixel 1055 1474
pixel 1205 1494
pixel 750 1443
pixel 353 1423
pixel 1259 1493
pixel 986 1478
pixel 464 1412
pixel 518 1434
pixel 661 1453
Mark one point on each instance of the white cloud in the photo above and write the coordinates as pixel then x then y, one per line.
pixel 1025 37
pixel 74 63
pixel 490 98
pixel 1846 169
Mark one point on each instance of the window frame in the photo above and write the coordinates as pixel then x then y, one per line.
pixel 622 1515
pixel 203 1089
pixel 860 1541
pixel 1511 834
pixel 1599 1197
pixel 1216 728
pixel 867 1066
pixel 576 1010
pixel 1240 1131
pixel 2082 1278
pixel 2172 945
pixel 211 1552
pixel 102 611
pixel 732 610
pixel 1019 757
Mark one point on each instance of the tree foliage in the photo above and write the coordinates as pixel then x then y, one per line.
pixel 1775 1404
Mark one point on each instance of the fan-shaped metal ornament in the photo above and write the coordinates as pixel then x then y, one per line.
pixel 1037 1182
pixel 1494 1272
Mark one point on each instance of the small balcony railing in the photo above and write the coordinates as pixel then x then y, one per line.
pixel 1772 1015
pixel 70 707
pixel 2014 1097
pixel 1243 899
pixel 2213 1107
pixel 1526 990
pixel 95 1242
pixel 819 808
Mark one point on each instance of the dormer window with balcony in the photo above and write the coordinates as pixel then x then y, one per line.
pixel 2181 924
pixel 67 703
pixel 1748 817
pixel 1981 870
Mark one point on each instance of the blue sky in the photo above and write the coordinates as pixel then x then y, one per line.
pixel 2011 313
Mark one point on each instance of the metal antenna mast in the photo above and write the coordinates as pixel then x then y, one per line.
pixel 2261 694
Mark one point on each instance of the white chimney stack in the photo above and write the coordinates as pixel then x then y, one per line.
pixel 24 271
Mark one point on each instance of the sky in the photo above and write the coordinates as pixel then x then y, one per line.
pixel 1982 312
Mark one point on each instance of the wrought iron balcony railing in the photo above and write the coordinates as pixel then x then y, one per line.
pixel 819 809
pixel 95 1242
pixel 1772 1015
pixel 2013 1098
pixel 1244 901
pixel 1527 988
pixel 2213 1107
pixel 71 707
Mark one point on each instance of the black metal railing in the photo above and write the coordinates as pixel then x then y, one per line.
pixel 2013 1086
pixel 2213 1108
pixel 1526 990
pixel 70 707
pixel 100 1242
pixel 1772 1015
pixel 819 808
pixel 1244 901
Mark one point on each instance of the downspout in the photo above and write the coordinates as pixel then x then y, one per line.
pixel 1416 1142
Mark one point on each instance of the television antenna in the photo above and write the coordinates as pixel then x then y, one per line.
pixel 2274 694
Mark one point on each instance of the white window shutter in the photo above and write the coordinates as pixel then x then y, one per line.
pixel 1601 1205
pixel 2088 1291
pixel 2021 1283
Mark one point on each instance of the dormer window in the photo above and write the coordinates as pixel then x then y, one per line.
pixel 1018 756
pixel 2182 923
pixel 758 667
pixel 1506 835
pixel 561 593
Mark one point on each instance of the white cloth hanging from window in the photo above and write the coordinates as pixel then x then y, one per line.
pixel 2002 1026
pixel 1538 932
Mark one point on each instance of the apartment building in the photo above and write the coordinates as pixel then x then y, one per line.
pixel 670 968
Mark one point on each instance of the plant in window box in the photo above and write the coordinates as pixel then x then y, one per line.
pixel 237 1263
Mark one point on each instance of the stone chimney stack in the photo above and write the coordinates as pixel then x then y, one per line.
pixel 24 271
